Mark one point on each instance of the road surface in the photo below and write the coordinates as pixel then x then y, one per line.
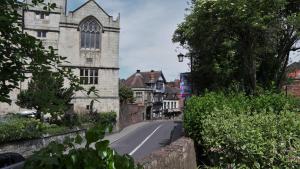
pixel 144 138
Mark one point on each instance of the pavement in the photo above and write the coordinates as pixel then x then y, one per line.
pixel 139 140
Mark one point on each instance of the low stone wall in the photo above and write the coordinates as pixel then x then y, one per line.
pixel 130 114
pixel 26 148
pixel 179 155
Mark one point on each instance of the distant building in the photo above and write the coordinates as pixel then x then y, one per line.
pixel 89 38
pixel 148 89
pixel 292 86
pixel 172 100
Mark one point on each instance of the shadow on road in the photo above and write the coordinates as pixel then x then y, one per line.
pixel 176 133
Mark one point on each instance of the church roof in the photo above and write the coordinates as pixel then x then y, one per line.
pixel 91 1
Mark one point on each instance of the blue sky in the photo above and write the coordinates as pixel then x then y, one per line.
pixel 146 32
pixel 147 27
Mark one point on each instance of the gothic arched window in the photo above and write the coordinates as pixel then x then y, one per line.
pixel 90 34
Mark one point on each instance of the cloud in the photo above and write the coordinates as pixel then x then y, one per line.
pixel 146 34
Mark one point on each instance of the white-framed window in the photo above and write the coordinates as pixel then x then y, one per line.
pixel 139 96
pixel 88 76
pixel 175 105
pixel 41 34
pixel 168 105
pixel 42 15
pixel 90 34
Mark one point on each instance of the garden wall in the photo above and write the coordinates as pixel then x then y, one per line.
pixel 26 148
pixel 179 155
pixel 130 114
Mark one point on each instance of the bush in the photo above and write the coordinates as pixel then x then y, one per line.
pixel 98 118
pixel 15 128
pixel 96 154
pixel 239 131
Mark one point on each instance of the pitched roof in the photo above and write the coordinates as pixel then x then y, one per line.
pixel 89 2
pixel 171 93
pixel 141 79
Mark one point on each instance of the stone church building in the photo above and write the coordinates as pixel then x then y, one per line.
pixel 89 38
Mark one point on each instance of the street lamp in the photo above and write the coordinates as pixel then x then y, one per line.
pixel 180 57
pixel 190 56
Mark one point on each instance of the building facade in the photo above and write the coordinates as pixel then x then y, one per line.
pixel 148 89
pixel 89 38
pixel 172 100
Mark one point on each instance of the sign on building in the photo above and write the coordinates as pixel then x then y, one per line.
pixel 185 85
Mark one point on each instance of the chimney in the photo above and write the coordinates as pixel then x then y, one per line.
pixel 138 71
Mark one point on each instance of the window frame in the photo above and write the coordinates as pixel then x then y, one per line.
pixel 89 76
pixel 90 34
pixel 42 15
pixel 41 34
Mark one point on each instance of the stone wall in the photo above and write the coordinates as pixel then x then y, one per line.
pixel 26 148
pixel 179 155
pixel 130 114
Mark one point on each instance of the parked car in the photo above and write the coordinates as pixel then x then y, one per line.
pixel 11 161
pixel 27 113
pixel 32 113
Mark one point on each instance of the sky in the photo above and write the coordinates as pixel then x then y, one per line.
pixel 147 27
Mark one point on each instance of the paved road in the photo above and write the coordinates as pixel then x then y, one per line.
pixel 147 137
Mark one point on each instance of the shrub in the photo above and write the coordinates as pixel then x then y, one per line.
pixel 239 131
pixel 70 119
pixel 98 118
pixel 95 154
pixel 17 128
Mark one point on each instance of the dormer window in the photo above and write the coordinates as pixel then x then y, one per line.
pixel 90 34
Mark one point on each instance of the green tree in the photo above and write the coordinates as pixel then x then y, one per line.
pixel 126 94
pixel 21 53
pixel 236 40
pixel 46 93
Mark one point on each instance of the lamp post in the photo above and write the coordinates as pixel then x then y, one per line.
pixel 180 59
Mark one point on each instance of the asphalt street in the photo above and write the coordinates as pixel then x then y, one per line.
pixel 147 138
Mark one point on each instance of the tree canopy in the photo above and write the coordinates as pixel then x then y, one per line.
pixel 126 94
pixel 231 41
pixel 46 93
pixel 22 54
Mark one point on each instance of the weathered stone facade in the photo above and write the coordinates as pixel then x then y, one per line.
pixel 62 30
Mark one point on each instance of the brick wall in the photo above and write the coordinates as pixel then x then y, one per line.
pixel 294 88
pixel 179 155
pixel 130 114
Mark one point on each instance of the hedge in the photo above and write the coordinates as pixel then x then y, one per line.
pixel 239 131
